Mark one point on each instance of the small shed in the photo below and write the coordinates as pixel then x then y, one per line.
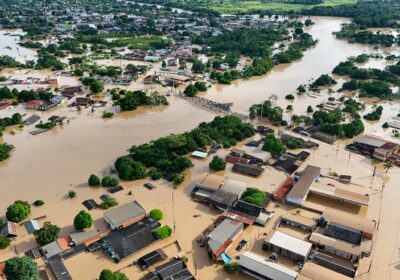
pixel 10 229
pixel 31 226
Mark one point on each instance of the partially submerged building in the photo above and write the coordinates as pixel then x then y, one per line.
pixel 220 239
pixel 312 271
pixel 257 267
pixel 174 269
pixel 375 147
pixel 298 221
pixel 247 169
pixel 124 215
pixel 287 245
pixel 302 185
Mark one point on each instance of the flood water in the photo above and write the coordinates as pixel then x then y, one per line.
pixel 9 46
pixel 48 165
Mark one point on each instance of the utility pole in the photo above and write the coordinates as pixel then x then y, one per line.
pixel 373 174
pixel 173 210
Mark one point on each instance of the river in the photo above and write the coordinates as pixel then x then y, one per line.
pixel 48 165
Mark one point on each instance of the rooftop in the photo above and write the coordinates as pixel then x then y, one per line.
pixel 258 264
pixel 350 220
pixel 313 271
pixel 347 247
pixel 124 212
pixel 306 179
pixel 292 244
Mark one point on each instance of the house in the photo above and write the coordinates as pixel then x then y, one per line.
pixel 311 271
pixel 46 105
pixel 124 215
pixel 221 199
pixel 54 248
pixel 334 263
pixel 340 194
pixel 174 269
pixel 366 226
pixel 149 58
pixel 337 247
pixel 324 137
pixel 234 186
pixel 172 61
pixel 150 79
pixel 10 229
pixel 287 245
pixel 247 213
pixel 71 91
pixel 376 147
pixel 5 104
pixel 281 192
pixel 85 237
pixel 257 267
pixel 343 232
pixel 33 104
pixel 298 221
pixel 299 192
pixel 83 101
pixel 58 99
pixel 247 169
pixel 151 259
pixel 31 226
pixel 129 240
pixel 220 239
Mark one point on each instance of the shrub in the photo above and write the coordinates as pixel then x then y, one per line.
pixel 71 194
pixel 163 232
pixel 108 203
pixel 232 267
pixel 107 115
pixel 83 220
pixel 94 181
pixel 18 211
pixel 47 234
pixel 156 214
pixel 178 178
pixel 254 196
pixel 289 97
pixel 217 164
pixel 4 242
pixel 310 109
pixel 38 202
pixel 385 125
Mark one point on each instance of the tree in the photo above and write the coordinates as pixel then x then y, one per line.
pixel 71 194
pixel 178 178
pixel 38 202
pixel 96 86
pixel 108 181
pixel 156 214
pixel 4 242
pixel 190 90
pixel 200 86
pixel 254 196
pixel 83 220
pixel 198 66
pixel 47 234
pixel 21 268
pixel 217 164
pixel 18 211
pixel 94 181
pixel 107 274
pixel 273 145
pixel 310 109
pixel 387 165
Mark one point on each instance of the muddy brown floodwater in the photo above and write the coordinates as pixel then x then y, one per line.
pixel 48 165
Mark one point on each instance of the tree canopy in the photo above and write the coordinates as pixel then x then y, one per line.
pixel 47 234
pixel 83 220
pixel 18 211
pixel 21 268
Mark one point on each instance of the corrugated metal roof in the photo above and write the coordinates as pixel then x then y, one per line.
pixel 258 264
pixel 124 212
pixel 290 243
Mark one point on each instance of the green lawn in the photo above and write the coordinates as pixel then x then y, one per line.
pixel 236 6
pixel 142 42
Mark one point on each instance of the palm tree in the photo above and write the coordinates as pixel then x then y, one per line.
pixel 387 165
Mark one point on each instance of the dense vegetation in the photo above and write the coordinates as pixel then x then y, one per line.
pixel 217 164
pixel 131 100
pixel 5 150
pixel 47 234
pixel 21 268
pixel 353 35
pixel 375 115
pixel 266 110
pixel 376 13
pixel 162 232
pixel 254 196
pixel 166 155
pixel 18 211
pixel 273 145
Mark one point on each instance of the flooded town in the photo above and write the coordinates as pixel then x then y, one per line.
pixel 163 140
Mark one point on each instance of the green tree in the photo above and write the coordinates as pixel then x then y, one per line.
pixel 310 109
pixel 190 90
pixel 21 268
pixel 178 178
pixel 83 220
pixel 231 267
pixel 273 145
pixel 387 166
pixel 94 181
pixel 217 164
pixel 107 274
pixel 96 86
pixel 156 214
pixel 38 202
pixel 47 234
pixel 4 241
pixel 18 211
